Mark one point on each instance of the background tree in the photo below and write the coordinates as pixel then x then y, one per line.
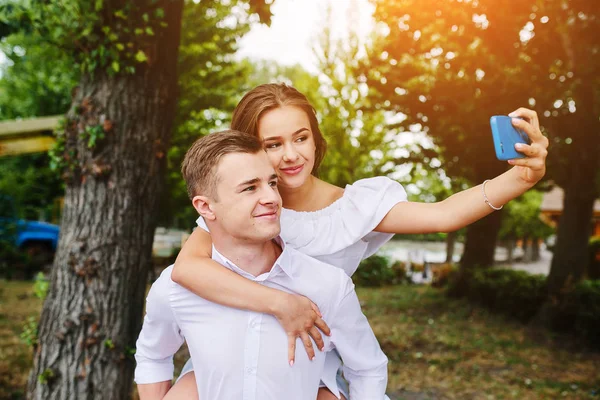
pixel 564 66
pixel 210 84
pixel 449 66
pixel 112 153
pixel 360 145
pixel 31 86
pixel 522 221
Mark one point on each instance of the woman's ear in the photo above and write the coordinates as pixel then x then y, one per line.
pixel 202 204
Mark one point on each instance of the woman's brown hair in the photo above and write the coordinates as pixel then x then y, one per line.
pixel 266 97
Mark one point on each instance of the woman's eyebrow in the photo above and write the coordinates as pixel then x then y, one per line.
pixel 278 137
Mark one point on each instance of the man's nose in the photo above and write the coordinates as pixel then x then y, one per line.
pixel 270 196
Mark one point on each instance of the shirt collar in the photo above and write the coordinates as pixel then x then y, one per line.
pixel 283 263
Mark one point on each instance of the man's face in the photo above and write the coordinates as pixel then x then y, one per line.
pixel 248 203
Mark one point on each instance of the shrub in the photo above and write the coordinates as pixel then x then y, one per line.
pixel 400 273
pixel 442 274
pixel 594 258
pixel 374 271
pixel 587 316
pixel 515 293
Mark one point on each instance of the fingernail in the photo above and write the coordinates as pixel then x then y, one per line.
pixel 291 363
pixel 512 114
pixel 518 146
pixel 313 358
pixel 511 162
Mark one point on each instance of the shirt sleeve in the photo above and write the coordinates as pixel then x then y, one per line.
pixel 160 337
pixel 352 218
pixel 364 364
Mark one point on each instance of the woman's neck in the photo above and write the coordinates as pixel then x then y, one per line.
pixel 298 198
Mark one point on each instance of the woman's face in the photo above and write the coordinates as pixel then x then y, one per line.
pixel 288 140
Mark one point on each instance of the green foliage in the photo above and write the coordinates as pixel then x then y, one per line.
pixel 29 334
pixel 514 293
pixel 522 218
pixel 587 315
pixel 31 184
pixel 448 73
pixel 108 343
pixel 594 258
pixel 40 286
pixel 46 377
pixel 97 35
pixel 30 85
pixel 374 271
pixel 210 83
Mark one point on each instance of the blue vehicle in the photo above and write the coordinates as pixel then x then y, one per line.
pixel 37 240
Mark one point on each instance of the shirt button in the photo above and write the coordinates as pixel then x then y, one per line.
pixel 251 370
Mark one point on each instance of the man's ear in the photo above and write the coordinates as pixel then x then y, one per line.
pixel 202 204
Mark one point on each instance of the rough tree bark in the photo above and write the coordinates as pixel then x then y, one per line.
pixel 92 315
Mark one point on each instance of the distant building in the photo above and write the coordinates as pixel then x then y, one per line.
pixel 552 206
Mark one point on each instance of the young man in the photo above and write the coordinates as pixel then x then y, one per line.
pixel 240 354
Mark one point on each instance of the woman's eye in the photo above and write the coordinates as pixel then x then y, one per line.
pixel 249 189
pixel 301 139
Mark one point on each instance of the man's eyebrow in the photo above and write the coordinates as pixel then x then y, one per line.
pixel 277 137
pixel 249 182
pixel 274 176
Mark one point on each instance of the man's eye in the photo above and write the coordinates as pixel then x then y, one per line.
pixel 273 183
pixel 249 189
pixel 272 145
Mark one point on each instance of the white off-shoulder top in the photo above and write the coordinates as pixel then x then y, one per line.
pixel 341 234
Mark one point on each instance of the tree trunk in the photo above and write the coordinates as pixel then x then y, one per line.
pixel 480 242
pixel 450 244
pixel 510 251
pixel 527 250
pixel 92 315
pixel 535 250
pixel 574 227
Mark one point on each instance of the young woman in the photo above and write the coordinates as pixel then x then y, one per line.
pixel 340 226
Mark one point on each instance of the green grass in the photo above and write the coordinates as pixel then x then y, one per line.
pixel 438 347
pixel 458 351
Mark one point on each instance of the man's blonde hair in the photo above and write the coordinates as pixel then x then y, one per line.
pixel 200 162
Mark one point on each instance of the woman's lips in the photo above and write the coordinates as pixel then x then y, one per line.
pixel 292 170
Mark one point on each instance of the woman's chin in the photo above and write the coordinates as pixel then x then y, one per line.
pixel 293 182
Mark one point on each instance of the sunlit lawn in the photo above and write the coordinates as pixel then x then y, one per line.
pixel 439 348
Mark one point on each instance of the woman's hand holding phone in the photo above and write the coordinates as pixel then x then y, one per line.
pixel 533 166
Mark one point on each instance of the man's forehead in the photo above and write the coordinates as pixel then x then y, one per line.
pixel 241 167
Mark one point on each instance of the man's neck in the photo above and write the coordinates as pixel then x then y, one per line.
pixel 254 258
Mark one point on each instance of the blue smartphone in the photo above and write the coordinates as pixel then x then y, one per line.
pixel 506 136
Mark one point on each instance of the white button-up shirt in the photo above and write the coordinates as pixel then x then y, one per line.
pixel 239 354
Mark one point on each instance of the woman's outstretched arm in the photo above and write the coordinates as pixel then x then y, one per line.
pixel 468 206
pixel 196 271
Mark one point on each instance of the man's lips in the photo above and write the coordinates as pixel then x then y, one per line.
pixel 272 214
pixel 292 170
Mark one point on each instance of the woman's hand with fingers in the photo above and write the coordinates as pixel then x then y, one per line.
pixel 532 168
pixel 301 318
